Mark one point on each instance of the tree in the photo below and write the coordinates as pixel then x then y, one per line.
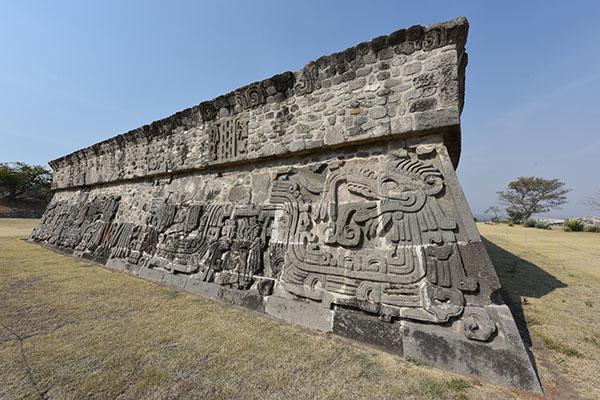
pixel 494 211
pixel 21 180
pixel 531 195
pixel 593 201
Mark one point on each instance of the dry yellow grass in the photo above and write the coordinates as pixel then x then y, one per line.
pixel 555 276
pixel 16 227
pixel 72 330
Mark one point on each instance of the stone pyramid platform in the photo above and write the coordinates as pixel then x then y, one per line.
pixel 326 197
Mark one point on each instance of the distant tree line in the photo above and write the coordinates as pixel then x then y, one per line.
pixel 21 181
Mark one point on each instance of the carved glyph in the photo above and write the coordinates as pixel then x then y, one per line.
pixel 228 138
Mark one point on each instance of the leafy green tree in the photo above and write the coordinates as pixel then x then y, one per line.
pixel 19 180
pixel 531 195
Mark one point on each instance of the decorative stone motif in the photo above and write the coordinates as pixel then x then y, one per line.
pixel 252 96
pixel 478 325
pixel 228 138
pixel 375 238
pixel 326 198
pixel 309 79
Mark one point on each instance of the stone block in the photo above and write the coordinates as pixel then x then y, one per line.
pixel 301 313
pixel 377 112
pixel 435 118
pixel 502 360
pixel 151 274
pixel 368 329
pixel 116 264
pixel 247 299
pixel 176 280
pixel 205 289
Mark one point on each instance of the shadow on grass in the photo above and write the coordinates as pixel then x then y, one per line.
pixel 520 279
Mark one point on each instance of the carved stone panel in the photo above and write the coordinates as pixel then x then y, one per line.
pixel 228 139
pixel 372 235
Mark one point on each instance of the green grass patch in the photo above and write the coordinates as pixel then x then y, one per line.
pixel 560 347
pixel 432 389
pixel 458 384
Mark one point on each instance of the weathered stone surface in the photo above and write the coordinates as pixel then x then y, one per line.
pixel 325 197
pixel 369 330
pixel 302 313
pixel 502 358
pixel 178 280
pixel 238 125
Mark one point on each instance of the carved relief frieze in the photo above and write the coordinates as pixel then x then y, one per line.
pixel 308 80
pixel 228 139
pixel 370 233
pixel 250 96
pixel 375 238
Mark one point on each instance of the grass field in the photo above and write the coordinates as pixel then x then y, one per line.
pixel 554 278
pixel 72 330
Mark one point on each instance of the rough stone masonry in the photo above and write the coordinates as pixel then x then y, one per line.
pixel 326 197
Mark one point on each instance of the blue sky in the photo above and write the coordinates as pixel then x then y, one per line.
pixel 73 73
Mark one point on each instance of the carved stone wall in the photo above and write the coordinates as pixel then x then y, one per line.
pixel 409 81
pixel 326 197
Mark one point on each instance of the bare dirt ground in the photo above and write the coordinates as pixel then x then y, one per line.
pixel 72 330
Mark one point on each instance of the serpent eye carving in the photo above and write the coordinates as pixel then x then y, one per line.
pixel 410 175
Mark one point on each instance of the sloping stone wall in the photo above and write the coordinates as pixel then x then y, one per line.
pixel 325 197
